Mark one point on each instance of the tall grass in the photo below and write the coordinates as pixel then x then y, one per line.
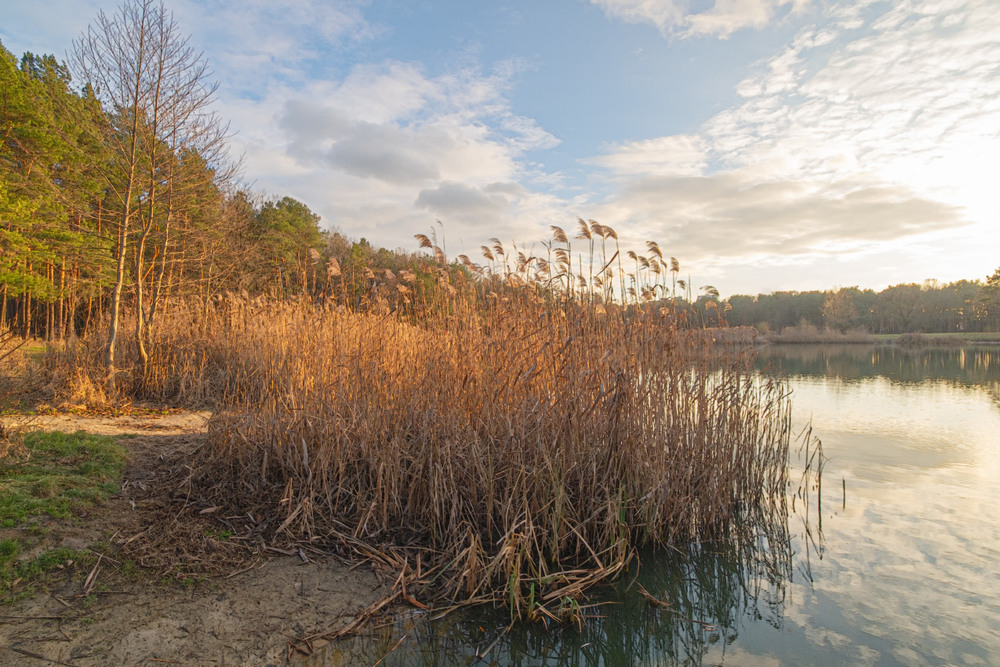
pixel 515 435
pixel 921 340
pixel 189 359
pixel 523 452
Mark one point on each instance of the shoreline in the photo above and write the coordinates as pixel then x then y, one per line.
pixel 913 341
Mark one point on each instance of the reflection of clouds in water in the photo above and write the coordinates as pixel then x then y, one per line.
pixel 911 561
pixel 891 431
pixel 847 649
pixel 735 655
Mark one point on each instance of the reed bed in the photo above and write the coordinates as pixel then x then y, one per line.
pixel 516 449
pixel 922 340
pixel 512 433
pixel 809 334
pixel 190 358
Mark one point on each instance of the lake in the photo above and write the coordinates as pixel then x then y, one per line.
pixel 898 563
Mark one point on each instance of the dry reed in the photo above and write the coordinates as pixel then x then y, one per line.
pixel 520 451
pixel 507 437
pixel 808 333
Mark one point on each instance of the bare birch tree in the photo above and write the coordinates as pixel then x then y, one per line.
pixel 156 92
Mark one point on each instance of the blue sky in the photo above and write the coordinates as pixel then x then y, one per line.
pixel 767 144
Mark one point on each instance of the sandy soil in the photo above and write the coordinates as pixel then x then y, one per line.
pixel 234 603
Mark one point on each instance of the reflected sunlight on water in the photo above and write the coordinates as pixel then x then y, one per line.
pixel 907 570
pixel 912 559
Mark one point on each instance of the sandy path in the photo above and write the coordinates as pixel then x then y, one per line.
pixel 179 423
pixel 250 617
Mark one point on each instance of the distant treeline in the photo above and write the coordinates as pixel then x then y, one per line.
pixel 930 307
pixel 135 203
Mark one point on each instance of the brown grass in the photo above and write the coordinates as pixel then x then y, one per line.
pixel 807 333
pixel 523 454
pixel 921 340
pixel 489 439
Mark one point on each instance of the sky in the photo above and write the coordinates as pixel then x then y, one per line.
pixel 766 144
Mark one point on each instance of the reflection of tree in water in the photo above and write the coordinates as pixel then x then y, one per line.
pixel 712 590
pixel 961 365
pixel 994 389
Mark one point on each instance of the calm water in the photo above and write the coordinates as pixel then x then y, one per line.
pixel 899 565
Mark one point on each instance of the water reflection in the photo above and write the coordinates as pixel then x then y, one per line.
pixel 711 591
pixel 908 577
pixel 908 572
pixel 963 365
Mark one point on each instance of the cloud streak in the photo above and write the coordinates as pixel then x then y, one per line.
pixel 721 19
pixel 861 133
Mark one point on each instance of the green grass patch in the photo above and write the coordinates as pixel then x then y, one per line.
pixel 13 570
pixel 57 474
pixel 31 571
pixel 51 475
pixel 35 349
pixel 979 336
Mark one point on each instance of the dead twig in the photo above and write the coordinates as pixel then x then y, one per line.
pixel 241 571
pixel 88 585
pixel 360 619
pixel 382 659
pixel 656 602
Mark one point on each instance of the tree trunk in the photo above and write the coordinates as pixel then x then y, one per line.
pixel 50 306
pixel 140 311
pixel 116 293
pixel 26 314
pixel 157 288
pixel 86 319
pixel 61 323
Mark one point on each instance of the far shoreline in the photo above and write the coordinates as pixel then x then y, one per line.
pixel 813 336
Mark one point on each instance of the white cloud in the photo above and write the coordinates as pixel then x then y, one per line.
pixel 853 138
pixel 451 199
pixel 387 148
pixel 737 214
pixel 721 19
pixel 384 93
pixel 678 155
pixel 664 14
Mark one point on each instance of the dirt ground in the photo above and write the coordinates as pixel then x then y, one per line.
pixel 169 586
